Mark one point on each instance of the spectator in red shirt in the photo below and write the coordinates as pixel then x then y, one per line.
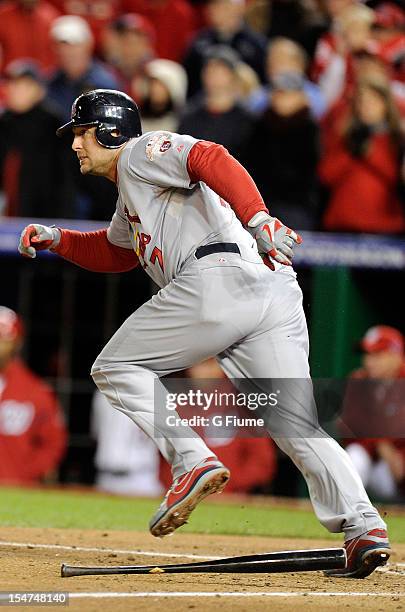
pixel 32 432
pixel 252 461
pixel 328 44
pixel 389 33
pixel 24 31
pixel 374 406
pixel 353 39
pixel 175 21
pixel 361 164
pixel 97 13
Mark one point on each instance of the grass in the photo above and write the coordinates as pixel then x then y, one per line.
pixel 86 510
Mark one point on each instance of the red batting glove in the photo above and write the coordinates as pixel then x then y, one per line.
pixel 275 241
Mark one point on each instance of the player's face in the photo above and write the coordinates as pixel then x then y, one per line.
pixel 93 158
pixel 382 364
pixel 8 349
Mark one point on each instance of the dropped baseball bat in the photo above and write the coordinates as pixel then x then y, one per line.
pixel 273 562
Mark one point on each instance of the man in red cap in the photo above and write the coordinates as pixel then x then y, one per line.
pixel 373 417
pixel 32 431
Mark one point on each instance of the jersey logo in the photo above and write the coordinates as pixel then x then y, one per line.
pixel 158 144
pixel 131 218
pixel 157 255
pixel 165 146
pixel 141 242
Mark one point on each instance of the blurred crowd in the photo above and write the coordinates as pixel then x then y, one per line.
pixel 308 94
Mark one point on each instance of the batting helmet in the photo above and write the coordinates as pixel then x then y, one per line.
pixel 114 114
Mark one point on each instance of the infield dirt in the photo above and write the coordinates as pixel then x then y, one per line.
pixel 28 568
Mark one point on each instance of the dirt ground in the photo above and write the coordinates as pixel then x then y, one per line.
pixel 29 567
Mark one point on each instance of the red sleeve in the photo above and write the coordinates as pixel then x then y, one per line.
pixel 93 251
pixel 213 165
pixel 48 437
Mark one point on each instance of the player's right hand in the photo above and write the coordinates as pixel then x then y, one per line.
pixel 37 237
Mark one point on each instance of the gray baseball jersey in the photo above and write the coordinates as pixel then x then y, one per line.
pixel 162 215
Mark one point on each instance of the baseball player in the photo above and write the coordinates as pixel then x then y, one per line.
pixel 192 217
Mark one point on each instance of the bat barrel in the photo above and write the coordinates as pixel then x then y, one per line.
pixel 288 561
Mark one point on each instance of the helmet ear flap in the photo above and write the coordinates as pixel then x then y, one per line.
pixel 109 136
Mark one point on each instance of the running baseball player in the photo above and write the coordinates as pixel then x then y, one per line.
pixel 192 217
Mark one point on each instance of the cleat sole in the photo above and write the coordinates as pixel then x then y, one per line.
pixel 178 516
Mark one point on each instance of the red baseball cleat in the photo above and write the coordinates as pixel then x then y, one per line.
pixel 364 554
pixel 209 476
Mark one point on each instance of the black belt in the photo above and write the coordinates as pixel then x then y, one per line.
pixel 217 247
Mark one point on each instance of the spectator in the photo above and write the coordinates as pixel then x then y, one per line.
pixel 34 174
pixel 353 41
pixel 389 33
pixel 129 45
pixel 329 44
pixel 361 165
pixel 248 83
pixel 303 22
pixel 218 115
pixel 373 416
pixel 284 56
pixel 32 433
pixel 252 461
pixel 284 153
pixel 76 71
pixel 165 95
pixel 371 65
pixel 127 461
pixel 98 14
pixel 226 26
pixel 24 31
pixel 175 20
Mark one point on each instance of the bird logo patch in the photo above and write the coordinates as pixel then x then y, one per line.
pixel 158 145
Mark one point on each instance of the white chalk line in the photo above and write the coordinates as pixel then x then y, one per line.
pixel 146 553
pixel 234 594
pixel 143 553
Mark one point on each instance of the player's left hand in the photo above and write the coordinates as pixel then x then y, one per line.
pixel 275 241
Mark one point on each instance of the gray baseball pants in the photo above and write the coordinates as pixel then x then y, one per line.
pixel 252 319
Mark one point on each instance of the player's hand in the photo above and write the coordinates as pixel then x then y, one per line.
pixel 36 237
pixel 275 241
